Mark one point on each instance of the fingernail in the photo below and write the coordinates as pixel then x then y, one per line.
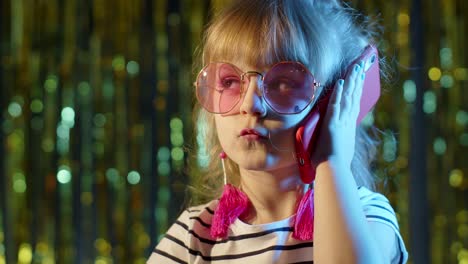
pixel 361 63
pixel 356 68
pixel 341 82
pixel 363 75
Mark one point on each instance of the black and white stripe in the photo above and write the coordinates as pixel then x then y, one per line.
pixel 189 240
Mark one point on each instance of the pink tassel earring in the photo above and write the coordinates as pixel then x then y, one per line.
pixel 304 220
pixel 231 205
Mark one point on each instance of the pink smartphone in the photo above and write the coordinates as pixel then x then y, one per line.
pixel 307 133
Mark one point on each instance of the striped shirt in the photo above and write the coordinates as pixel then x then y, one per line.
pixel 189 241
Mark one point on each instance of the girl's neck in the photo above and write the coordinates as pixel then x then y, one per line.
pixel 273 194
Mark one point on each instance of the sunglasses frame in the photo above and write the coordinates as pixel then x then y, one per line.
pixel 316 84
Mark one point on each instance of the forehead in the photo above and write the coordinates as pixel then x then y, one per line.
pixel 246 66
pixel 252 41
pixel 245 59
pixel 256 40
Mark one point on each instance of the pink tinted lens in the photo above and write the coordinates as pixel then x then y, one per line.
pixel 219 87
pixel 288 87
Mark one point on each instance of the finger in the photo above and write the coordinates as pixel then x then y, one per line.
pixel 356 96
pixel 334 105
pixel 351 78
pixel 350 83
pixel 357 77
pixel 335 97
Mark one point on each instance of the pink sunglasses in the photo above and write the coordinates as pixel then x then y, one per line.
pixel 288 87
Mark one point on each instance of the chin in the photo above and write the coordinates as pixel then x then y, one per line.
pixel 258 162
pixel 251 155
pixel 250 163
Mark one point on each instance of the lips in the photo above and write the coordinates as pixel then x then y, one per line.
pixel 251 134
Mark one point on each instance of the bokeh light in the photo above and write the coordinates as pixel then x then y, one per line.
pixel 133 68
pixel 446 81
pixel 464 139
pixel 133 177
pixel 456 178
pixel 51 83
pixel 440 146
pixel 14 109
pixel 25 253
pixel 64 175
pixel 118 63
pixel 409 91
pixel 164 168
pixel 164 154
pixel 36 106
pixel 446 58
pixel 19 182
pixel 176 124
pixel 68 117
pixel 99 120
pixel 462 118
pixel 434 74
pixel 177 154
pixel 429 102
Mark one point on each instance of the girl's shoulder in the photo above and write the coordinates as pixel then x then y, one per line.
pixel 198 217
pixel 366 194
pixel 189 233
pixel 202 208
pixel 377 208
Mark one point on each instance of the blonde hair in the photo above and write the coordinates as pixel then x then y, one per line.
pixel 321 34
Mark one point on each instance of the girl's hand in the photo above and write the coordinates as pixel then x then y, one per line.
pixel 338 131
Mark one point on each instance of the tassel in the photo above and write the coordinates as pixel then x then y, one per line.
pixel 304 220
pixel 231 205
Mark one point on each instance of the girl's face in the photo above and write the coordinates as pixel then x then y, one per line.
pixel 256 137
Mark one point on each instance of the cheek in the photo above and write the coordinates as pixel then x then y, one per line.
pixel 283 130
pixel 286 122
pixel 223 129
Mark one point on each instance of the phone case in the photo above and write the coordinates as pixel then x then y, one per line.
pixel 307 133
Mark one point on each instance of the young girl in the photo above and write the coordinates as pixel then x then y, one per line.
pixel 267 66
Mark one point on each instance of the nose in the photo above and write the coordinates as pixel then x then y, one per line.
pixel 253 102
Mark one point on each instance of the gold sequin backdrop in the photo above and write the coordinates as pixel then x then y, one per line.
pixel 96 117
